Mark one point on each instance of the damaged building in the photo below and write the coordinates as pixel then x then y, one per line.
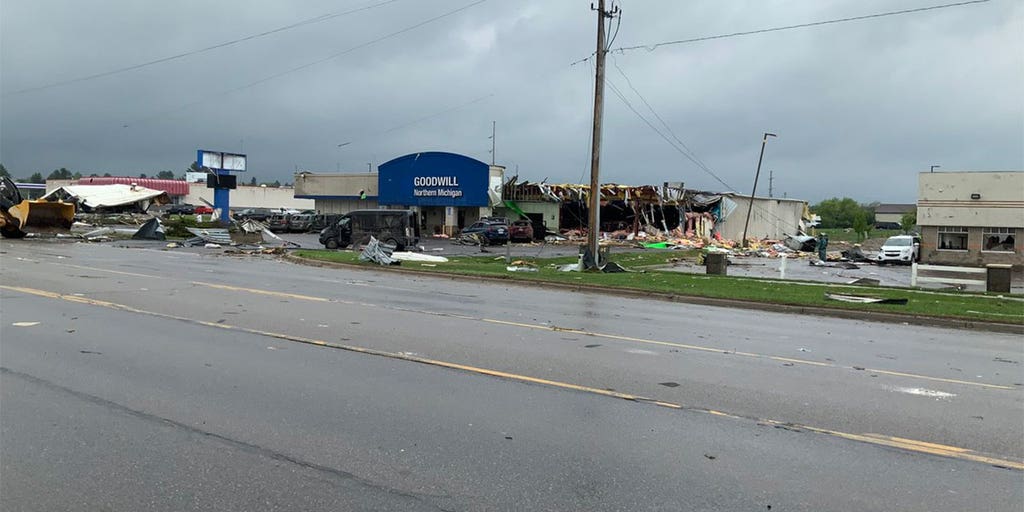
pixel 666 208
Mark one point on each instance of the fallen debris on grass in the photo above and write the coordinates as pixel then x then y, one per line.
pixel 863 299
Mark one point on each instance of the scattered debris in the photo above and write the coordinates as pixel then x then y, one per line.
pixel 209 236
pixel 863 299
pixel 416 256
pixel 669 384
pixel 25 324
pixel 521 269
pixel 377 253
pixel 709 457
pixel 151 230
pixel 866 281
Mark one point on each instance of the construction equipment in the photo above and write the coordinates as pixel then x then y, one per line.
pixel 20 216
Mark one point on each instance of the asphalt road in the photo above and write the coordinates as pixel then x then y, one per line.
pixel 163 380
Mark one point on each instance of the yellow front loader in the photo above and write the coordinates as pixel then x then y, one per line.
pixel 19 217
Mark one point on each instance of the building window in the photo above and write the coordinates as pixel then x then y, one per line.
pixel 998 239
pixel 952 238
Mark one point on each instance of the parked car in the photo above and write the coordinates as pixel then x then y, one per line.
pixel 203 210
pixel 258 214
pixel 521 230
pixel 393 227
pixel 900 249
pixel 299 223
pixel 180 209
pixel 492 233
pixel 278 222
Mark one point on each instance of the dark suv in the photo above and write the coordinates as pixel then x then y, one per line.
pixel 492 233
pixel 181 209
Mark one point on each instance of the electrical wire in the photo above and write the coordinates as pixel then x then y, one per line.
pixel 309 21
pixel 652 47
pixel 421 119
pixel 687 152
pixel 306 65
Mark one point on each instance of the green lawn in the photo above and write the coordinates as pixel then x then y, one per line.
pixel 971 306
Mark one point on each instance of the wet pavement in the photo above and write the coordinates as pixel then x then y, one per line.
pixel 187 380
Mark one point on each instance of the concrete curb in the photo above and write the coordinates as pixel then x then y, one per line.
pixel 849 314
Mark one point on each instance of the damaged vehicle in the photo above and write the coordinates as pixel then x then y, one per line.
pixel 397 228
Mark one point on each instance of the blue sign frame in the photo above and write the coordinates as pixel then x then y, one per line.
pixel 433 178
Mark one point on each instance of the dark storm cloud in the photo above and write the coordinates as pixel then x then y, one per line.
pixel 860 108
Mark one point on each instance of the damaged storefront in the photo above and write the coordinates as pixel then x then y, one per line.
pixel 659 212
pixel 448 191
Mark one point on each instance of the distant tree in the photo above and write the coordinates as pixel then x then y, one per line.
pixel 3 172
pixel 142 175
pixel 908 221
pixel 165 175
pixel 860 224
pixel 252 182
pixel 36 178
pixel 106 175
pixel 76 176
pixel 276 184
pixel 94 175
pixel 840 213
pixel 60 174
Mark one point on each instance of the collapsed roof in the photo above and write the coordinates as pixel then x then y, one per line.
pixel 94 197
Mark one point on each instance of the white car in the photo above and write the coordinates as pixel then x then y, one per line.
pixel 900 249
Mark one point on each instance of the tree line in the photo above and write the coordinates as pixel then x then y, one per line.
pixel 847 213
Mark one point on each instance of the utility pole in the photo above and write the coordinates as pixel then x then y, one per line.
pixel 494 125
pixel 594 203
pixel 750 208
pixel 771 182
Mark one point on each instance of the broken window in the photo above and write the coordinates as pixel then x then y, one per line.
pixel 952 238
pixel 998 239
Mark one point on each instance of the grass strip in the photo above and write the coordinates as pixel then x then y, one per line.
pixel 960 305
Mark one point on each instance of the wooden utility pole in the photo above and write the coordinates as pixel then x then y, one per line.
pixel 594 203
pixel 753 191
pixel 494 125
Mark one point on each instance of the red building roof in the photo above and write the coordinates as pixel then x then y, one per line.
pixel 172 187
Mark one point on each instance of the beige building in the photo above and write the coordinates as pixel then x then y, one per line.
pixel 337 193
pixel 971 218
pixel 246 196
pixel 889 214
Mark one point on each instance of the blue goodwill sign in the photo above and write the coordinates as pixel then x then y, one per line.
pixel 433 179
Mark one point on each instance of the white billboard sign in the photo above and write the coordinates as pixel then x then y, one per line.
pixel 225 161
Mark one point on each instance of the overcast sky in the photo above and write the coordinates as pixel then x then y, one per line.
pixel 859 108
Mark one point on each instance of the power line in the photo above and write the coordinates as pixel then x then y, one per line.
pixel 688 153
pixel 662 121
pixel 652 47
pixel 309 21
pixel 424 118
pixel 308 64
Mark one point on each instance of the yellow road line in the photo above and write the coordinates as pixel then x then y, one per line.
pixel 876 439
pixel 110 271
pixel 619 337
pixel 269 292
